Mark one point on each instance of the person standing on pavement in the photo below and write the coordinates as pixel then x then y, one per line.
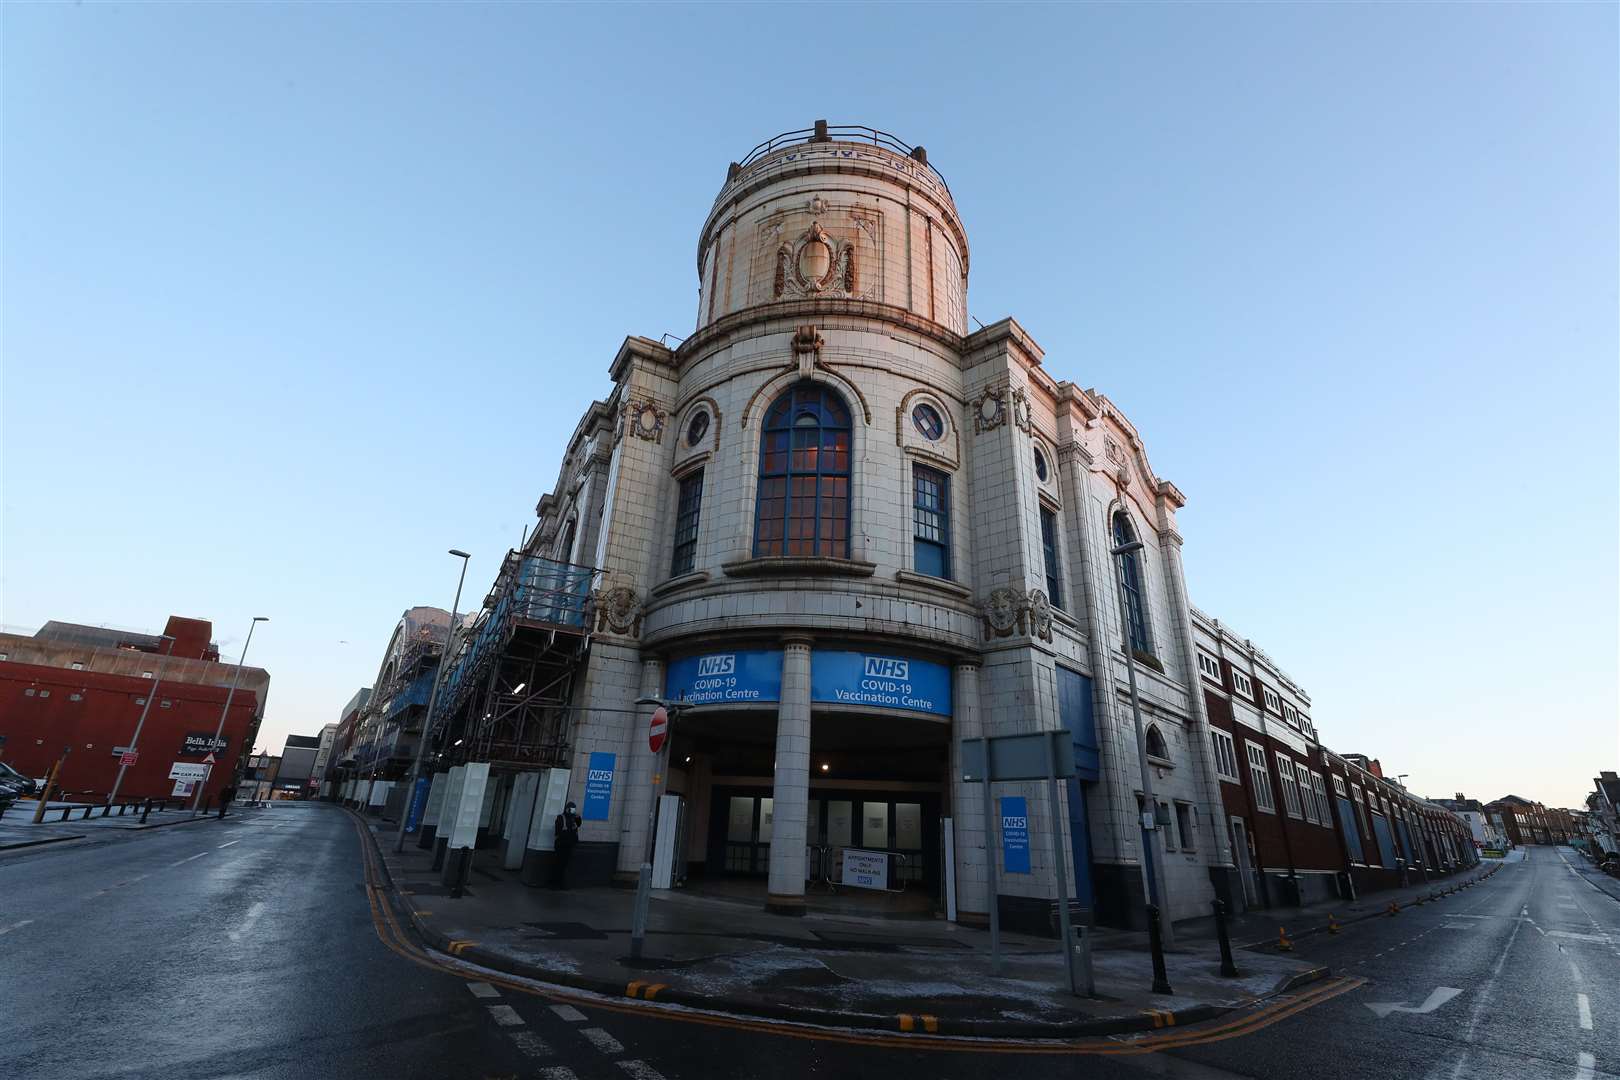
pixel 566 830
pixel 226 794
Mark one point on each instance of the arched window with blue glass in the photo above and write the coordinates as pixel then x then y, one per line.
pixel 804 452
pixel 1133 583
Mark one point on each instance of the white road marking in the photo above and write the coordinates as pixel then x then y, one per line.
pixel 1584 1065
pixel 1484 998
pixel 569 1013
pixel 531 1044
pixel 1458 926
pixel 640 1070
pixel 602 1040
pixel 15 926
pixel 248 920
pixel 1576 970
pixel 558 1072
pixel 505 1015
pixel 228 843
pixel 483 990
pixel 1601 939
pixel 1584 1007
pixel 1437 997
pixel 199 855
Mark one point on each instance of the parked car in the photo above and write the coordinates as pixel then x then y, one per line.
pixel 10 777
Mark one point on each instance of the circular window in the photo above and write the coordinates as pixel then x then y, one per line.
pixel 929 423
pixel 697 427
pixel 1040 465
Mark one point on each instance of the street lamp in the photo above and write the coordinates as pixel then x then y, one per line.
pixel 135 740
pixel 257 619
pixel 1151 807
pixel 433 699
pixel 638 918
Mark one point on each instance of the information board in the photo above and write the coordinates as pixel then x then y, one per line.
pixel 598 787
pixel 741 675
pixel 1015 834
pixel 866 869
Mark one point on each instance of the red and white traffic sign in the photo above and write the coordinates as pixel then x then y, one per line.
pixel 209 760
pixel 658 730
pixel 128 757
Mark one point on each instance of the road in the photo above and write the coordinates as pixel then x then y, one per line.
pixel 253 948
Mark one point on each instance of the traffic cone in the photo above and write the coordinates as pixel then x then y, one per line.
pixel 1333 924
pixel 1394 909
pixel 1283 944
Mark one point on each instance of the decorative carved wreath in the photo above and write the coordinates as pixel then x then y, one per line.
pixel 645 420
pixel 617 610
pixel 816 263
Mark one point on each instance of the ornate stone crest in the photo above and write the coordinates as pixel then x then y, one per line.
pixel 993 408
pixel 644 419
pixel 1008 611
pixel 618 610
pixel 816 264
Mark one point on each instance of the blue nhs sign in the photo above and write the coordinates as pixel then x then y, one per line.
pixel 890 682
pixel 736 676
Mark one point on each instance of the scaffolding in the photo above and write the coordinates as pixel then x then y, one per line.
pixel 506 693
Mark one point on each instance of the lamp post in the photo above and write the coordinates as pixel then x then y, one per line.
pixel 1150 812
pixel 135 741
pixel 638 918
pixel 223 713
pixel 433 700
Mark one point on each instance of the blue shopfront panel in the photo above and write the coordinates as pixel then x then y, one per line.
pixel 1352 835
pixel 1386 847
pixel 882 680
pixel 723 678
pixel 1075 711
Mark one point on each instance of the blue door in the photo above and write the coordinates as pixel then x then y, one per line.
pixel 1075 710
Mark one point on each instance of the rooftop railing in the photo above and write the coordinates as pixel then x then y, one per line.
pixel 845 133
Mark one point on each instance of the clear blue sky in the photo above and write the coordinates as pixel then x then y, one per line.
pixel 297 297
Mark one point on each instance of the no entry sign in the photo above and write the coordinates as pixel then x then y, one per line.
pixel 658 730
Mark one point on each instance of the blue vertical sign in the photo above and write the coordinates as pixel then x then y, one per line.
pixel 419 799
pixel 598 787
pixel 1014 834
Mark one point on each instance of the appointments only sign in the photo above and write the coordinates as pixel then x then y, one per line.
pixel 866 869
pixel 598 787
pixel 1015 834
pixel 741 675
pixel 890 682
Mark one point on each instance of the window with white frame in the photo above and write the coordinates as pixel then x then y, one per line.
pixel 1260 778
pixel 1338 787
pixel 1241 682
pixel 1323 810
pixel 1290 714
pixel 1226 766
pixel 1273 702
pixel 1290 785
pixel 1355 793
pixel 78 665
pixel 1210 666
pixel 1307 802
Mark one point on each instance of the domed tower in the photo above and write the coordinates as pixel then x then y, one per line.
pixel 838 219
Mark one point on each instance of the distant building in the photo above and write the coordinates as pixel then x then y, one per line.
pixel 84 689
pixel 1603 806
pixel 323 757
pixel 1472 812
pixel 297 767
pixel 1526 822
pixel 258 774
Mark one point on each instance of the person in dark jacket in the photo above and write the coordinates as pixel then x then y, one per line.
pixel 226 795
pixel 566 832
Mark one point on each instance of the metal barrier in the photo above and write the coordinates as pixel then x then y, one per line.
pixel 848 133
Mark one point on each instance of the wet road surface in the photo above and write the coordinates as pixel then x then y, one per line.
pixel 252 948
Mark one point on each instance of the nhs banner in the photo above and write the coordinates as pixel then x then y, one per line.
pixel 892 682
pixel 1014 834
pixel 719 678
pixel 598 787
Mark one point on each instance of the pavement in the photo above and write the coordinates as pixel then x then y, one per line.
pixel 837 970
pixel 17 828
pixel 269 947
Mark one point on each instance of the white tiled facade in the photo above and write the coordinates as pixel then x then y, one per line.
pixel 845 265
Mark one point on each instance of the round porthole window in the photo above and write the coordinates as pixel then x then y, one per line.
pixel 1040 465
pixel 929 423
pixel 697 427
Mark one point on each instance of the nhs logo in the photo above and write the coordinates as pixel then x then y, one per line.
pixel 601 775
pixel 725 664
pixel 882 667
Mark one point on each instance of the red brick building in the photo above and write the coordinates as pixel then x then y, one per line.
pixel 83 689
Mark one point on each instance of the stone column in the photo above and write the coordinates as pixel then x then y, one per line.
pixel 639 780
pixel 789 832
pixel 967 802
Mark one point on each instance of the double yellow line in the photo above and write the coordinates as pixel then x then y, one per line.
pixel 917 1031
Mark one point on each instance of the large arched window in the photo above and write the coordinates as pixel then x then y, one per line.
pixel 1131 577
pixel 803 506
pixel 1155 744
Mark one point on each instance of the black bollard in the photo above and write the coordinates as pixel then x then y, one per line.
pixel 66 810
pixel 1161 979
pixel 1228 968
pixel 146 809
